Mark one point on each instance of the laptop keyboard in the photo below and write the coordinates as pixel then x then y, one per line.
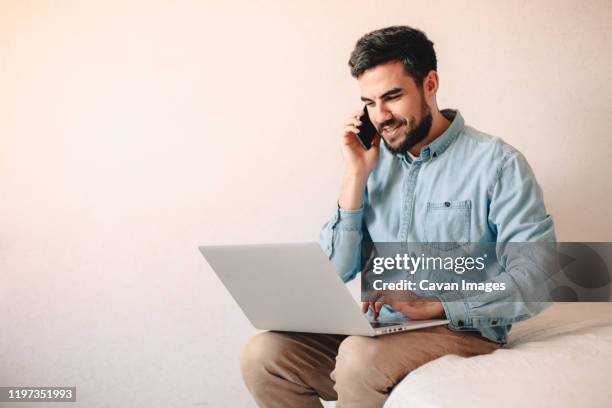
pixel 376 325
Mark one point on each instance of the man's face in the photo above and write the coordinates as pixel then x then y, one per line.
pixel 396 105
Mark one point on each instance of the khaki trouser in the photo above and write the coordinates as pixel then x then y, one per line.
pixel 292 370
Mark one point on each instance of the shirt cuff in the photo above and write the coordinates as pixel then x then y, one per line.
pixel 457 312
pixel 349 220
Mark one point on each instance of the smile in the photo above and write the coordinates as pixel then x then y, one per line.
pixel 391 132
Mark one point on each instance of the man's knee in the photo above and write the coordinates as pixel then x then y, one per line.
pixel 357 356
pixel 259 354
pixel 358 373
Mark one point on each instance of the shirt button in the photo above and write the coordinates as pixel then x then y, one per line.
pixel 460 323
pixel 447 204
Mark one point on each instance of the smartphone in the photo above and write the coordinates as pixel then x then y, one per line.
pixel 367 131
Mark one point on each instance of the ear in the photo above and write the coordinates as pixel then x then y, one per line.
pixel 431 83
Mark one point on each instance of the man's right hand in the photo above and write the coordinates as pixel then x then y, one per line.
pixel 359 161
pixel 359 164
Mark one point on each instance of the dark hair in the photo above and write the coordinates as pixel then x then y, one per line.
pixel 396 43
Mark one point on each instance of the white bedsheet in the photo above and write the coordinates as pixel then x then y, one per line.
pixel 560 358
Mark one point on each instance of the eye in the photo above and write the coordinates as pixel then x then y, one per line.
pixel 394 96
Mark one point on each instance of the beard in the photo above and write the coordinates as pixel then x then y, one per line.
pixel 416 133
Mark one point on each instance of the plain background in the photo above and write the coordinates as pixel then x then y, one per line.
pixel 131 132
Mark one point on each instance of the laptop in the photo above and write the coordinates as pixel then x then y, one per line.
pixel 294 287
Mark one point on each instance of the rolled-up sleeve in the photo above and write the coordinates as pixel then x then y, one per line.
pixel 341 239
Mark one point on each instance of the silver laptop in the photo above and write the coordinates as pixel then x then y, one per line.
pixel 294 287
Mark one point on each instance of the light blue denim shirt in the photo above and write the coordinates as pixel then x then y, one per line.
pixel 466 186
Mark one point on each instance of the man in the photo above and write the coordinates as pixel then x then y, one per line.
pixel 431 180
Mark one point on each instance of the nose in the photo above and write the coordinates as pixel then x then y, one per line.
pixel 381 114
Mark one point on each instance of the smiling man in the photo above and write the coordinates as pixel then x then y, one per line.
pixel 432 180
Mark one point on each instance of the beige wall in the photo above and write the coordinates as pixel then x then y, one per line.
pixel 133 131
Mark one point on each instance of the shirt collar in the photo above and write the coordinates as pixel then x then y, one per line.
pixel 442 142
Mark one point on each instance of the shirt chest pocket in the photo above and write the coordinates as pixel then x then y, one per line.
pixel 447 224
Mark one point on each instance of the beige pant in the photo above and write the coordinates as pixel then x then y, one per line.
pixel 283 369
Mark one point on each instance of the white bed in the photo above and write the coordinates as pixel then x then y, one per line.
pixel 560 358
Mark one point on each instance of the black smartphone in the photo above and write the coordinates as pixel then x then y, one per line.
pixel 367 131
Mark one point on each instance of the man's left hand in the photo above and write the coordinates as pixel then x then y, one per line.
pixel 415 307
